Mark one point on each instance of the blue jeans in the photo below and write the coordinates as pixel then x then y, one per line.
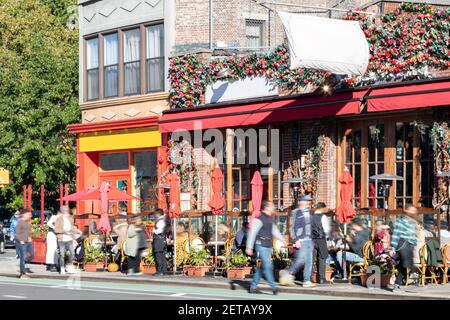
pixel 303 257
pixel 22 250
pixel 349 256
pixel 265 255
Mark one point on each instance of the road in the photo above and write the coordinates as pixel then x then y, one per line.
pixel 54 289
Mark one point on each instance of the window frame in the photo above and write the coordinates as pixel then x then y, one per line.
pixel 143 74
pixel 86 70
pixel 147 60
pixel 261 25
pixel 105 66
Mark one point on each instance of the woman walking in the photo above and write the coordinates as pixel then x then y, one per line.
pixel 135 245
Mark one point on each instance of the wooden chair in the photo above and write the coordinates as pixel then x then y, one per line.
pixel 423 268
pixel 443 267
pixel 123 256
pixel 80 264
pixel 368 252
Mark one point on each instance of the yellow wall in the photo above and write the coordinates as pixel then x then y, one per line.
pixel 120 139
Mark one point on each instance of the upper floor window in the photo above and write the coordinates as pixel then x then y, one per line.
pixel 111 63
pixel 125 62
pixel 131 61
pixel 92 65
pixel 254 33
pixel 155 58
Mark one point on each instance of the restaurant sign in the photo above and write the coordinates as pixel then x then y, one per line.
pixel 4 176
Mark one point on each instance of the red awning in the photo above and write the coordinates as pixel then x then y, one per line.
pixel 279 110
pixel 409 96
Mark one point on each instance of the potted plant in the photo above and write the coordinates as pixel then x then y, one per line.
pixel 386 266
pixel 197 264
pixel 94 259
pixel 148 262
pixel 238 266
pixel 38 236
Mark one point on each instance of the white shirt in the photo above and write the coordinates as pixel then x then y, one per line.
pixel 51 221
pixel 160 226
pixel 67 230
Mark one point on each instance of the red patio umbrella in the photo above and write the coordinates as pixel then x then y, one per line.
pixel 77 195
pixel 174 197
pixel 217 201
pixel 257 193
pixel 104 225
pixel 345 211
pixel 114 194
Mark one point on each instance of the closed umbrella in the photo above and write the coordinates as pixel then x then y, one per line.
pixel 257 193
pixel 345 211
pixel 217 202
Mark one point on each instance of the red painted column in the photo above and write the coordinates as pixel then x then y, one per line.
pixel 163 165
pixel 66 193
pixel 30 196
pixel 42 205
pixel 24 196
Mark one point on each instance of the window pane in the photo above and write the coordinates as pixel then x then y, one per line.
pixel 131 45
pixel 409 136
pixel 146 180
pixel 409 179
pixel 399 138
pixel 253 33
pixel 111 49
pixel 357 147
pixel 114 161
pixel 111 81
pixel 92 53
pixel 400 183
pixel 348 150
pixel 92 84
pixel 155 41
pixel 132 78
pixel 155 74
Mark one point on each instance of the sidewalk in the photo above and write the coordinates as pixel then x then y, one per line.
pixel 8 269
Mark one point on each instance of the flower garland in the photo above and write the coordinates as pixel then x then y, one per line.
pixel 402 45
pixel 181 160
pixel 440 139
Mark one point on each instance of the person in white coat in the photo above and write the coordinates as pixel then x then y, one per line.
pixel 52 244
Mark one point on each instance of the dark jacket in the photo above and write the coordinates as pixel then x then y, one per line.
pixel 434 256
pixel 301 224
pixel 23 230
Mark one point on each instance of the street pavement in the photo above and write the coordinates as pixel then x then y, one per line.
pixel 112 286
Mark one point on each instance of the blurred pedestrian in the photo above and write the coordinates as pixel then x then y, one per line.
pixel 261 234
pixel 51 258
pixel 23 241
pixel 135 245
pixel 320 230
pixel 301 233
pixel 404 239
pixel 241 237
pixel 64 234
pixel 160 241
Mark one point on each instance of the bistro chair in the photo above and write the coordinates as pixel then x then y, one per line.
pixel 224 259
pixel 423 268
pixel 443 267
pixel 368 252
pixel 80 264
pixel 123 256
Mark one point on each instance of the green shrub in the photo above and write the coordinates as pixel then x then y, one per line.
pixel 198 257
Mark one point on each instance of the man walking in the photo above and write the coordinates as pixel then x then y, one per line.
pixel 404 240
pixel 23 241
pixel 320 231
pixel 63 229
pixel 160 242
pixel 302 236
pixel 261 234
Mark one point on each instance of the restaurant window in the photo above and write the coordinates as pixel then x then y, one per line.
pixel 92 64
pixel 131 61
pixel 404 137
pixel 353 163
pixel 114 161
pixel 111 62
pixel 254 33
pixel 155 58
pixel 426 157
pixel 146 180
pixel 376 145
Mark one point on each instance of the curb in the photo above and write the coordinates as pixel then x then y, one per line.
pixel 238 286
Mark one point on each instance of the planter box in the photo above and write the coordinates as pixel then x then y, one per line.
pixel 328 275
pixel 149 268
pixel 238 273
pixel 93 266
pixel 385 280
pixel 193 271
pixel 40 250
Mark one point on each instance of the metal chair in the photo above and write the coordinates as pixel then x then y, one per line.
pixel 123 256
pixel 443 267
pixel 423 268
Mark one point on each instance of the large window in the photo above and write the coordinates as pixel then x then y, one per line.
pixel 128 62
pixel 111 61
pixel 92 65
pixel 114 161
pixel 131 61
pixel 391 146
pixel 155 58
pixel 146 180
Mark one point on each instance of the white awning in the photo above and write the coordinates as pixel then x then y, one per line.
pixel 337 46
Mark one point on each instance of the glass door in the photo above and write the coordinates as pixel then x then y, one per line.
pixel 121 183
